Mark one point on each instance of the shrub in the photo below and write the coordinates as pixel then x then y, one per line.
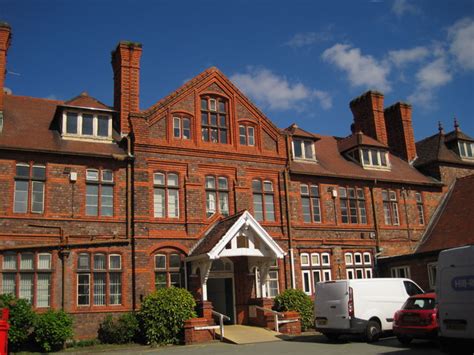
pixel 52 329
pixel 120 331
pixel 296 300
pixel 163 313
pixel 21 320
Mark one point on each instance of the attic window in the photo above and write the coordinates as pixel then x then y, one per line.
pixel 303 149
pixel 88 125
pixel 371 158
pixel 466 150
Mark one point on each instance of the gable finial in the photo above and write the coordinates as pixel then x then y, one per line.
pixel 456 125
pixel 440 128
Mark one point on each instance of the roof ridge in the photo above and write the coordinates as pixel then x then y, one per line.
pixel 34 98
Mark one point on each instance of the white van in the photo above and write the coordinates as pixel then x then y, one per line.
pixel 455 295
pixel 363 306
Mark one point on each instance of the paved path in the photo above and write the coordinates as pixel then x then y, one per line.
pixel 311 345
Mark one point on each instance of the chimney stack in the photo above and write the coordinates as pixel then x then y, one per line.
pixel 368 114
pixel 5 39
pixel 126 67
pixel 400 131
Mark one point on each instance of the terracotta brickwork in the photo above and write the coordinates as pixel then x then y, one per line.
pixel 162 159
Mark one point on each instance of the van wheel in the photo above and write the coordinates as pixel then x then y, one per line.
pixel 372 332
pixel 332 337
pixel 405 340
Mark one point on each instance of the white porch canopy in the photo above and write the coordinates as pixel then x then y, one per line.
pixel 238 235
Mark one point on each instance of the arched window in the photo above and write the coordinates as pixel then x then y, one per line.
pixel 246 135
pixel 181 127
pixel 168 267
pixel 214 119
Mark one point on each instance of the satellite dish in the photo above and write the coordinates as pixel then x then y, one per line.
pixel 7 91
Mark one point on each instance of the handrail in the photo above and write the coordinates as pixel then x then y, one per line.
pixel 221 321
pixel 275 315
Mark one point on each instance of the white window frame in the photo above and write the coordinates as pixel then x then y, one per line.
pixel 464 145
pixel 348 272
pixel 431 275
pixel 327 275
pixel 110 264
pixel 160 268
pixel 322 259
pixel 371 164
pixel 308 273
pixel 308 258
pixel 351 257
pixel 368 271
pixel 38 261
pixel 95 125
pixel 395 271
pixel 302 141
pixel 355 259
pixel 369 258
pixel 318 259
pixel 88 274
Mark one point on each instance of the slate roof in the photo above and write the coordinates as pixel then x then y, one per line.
pixel 29 124
pixel 433 149
pixel 358 139
pixel 453 225
pixel 332 163
pixel 214 234
pixel 294 130
pixel 86 101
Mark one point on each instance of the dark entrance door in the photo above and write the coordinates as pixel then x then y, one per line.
pixel 220 293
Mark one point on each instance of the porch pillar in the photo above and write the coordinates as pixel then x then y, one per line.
pixel 204 267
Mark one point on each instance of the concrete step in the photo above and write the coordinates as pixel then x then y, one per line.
pixel 245 334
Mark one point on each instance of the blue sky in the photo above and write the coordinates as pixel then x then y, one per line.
pixel 299 61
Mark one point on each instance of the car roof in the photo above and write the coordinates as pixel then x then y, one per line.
pixel 425 295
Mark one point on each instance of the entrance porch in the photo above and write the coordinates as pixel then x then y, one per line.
pixel 230 268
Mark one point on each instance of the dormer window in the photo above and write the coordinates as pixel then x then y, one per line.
pixel 370 158
pixel 88 125
pixel 303 149
pixel 466 149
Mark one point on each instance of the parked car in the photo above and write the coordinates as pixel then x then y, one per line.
pixel 416 319
pixel 365 306
pixel 455 293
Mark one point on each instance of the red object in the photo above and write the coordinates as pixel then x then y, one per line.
pixel 416 319
pixel 4 332
pixel 350 304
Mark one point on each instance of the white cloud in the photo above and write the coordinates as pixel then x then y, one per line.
pixel 308 38
pixel 429 78
pixel 400 7
pixel 461 35
pixel 402 57
pixel 362 70
pixel 434 75
pixel 276 92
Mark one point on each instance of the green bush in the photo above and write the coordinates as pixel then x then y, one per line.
pixel 296 300
pixel 52 329
pixel 21 320
pixel 163 313
pixel 120 331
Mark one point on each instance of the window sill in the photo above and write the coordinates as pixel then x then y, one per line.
pixel 94 139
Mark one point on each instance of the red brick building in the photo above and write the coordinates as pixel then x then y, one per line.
pixel 101 205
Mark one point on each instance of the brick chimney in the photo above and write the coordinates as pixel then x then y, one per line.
pixel 400 131
pixel 126 67
pixel 5 38
pixel 368 114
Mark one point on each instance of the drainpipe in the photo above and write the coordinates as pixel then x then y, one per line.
pixel 130 217
pixel 286 176
pixel 374 215
pixel 129 222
